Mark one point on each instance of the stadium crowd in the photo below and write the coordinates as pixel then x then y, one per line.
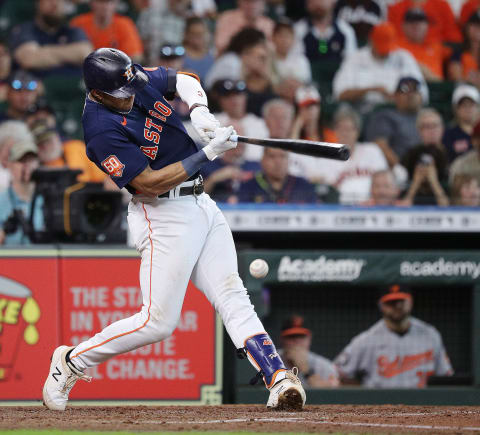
pixel 397 81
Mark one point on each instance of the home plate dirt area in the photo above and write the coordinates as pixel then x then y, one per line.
pixel 385 419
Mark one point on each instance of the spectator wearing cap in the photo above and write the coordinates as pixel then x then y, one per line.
pixel 23 92
pixel 105 28
pixel 427 164
pixel 287 63
pixel 398 351
pixel 52 153
pixel 466 107
pixel 362 15
pixel 47 45
pixel 430 56
pixel 464 65
pixel 394 129
pixel 249 13
pixel 468 163
pixel 232 99
pixel 170 56
pixel 370 76
pixel 321 36
pixel 160 26
pixel 465 191
pixel 198 55
pixel 352 179
pixel 16 200
pixel 314 370
pixel 443 27
pixel 273 184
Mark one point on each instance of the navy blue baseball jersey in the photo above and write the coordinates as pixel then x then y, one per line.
pixel 150 134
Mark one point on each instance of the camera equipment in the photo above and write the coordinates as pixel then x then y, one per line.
pixel 76 212
pixel 16 220
pixel 426 159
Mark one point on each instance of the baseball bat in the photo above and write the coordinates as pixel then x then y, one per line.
pixel 326 150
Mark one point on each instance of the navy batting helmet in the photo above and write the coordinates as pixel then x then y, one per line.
pixel 111 71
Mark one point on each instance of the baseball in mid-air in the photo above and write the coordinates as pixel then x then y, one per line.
pixel 259 268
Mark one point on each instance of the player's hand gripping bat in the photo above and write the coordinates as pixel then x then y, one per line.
pixel 326 150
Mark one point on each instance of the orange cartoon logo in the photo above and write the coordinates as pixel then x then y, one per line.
pixel 19 312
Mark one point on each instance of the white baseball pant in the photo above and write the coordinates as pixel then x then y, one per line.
pixel 179 239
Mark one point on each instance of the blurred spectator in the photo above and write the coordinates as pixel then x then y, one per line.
pixel 308 122
pixel 16 200
pixel 323 37
pixel 278 116
pixel 41 110
pixel 429 55
pixel 352 178
pixel 464 63
pixel 399 351
pixel 273 184
pixel 314 370
pixel 288 64
pixel 47 45
pixel 443 27
pixel 427 169
pixel 394 129
pixel 257 73
pixel 369 76
pixel 198 55
pixel 457 139
pixel 229 64
pixel 468 163
pixel 105 28
pixel 383 190
pixel 430 127
pixel 232 99
pixel 224 174
pixel 469 7
pixel 248 13
pixel 5 65
pixel 162 25
pixel 362 15
pixel 465 191
pixel 22 94
pixel 52 153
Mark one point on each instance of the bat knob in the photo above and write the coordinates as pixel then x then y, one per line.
pixel 343 153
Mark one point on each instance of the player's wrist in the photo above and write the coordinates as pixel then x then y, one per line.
pixel 209 152
pixel 197 105
pixel 193 163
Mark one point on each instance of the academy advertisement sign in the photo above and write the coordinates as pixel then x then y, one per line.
pixel 440 267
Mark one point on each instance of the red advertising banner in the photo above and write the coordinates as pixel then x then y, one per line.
pixel 29 324
pixel 99 291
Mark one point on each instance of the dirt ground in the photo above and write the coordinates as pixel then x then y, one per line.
pixel 385 419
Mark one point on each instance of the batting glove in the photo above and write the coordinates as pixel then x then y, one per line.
pixel 220 143
pixel 204 122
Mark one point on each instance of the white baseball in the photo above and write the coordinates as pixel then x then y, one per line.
pixel 258 268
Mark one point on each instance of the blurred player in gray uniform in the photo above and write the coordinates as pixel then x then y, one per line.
pixel 399 351
pixel 314 371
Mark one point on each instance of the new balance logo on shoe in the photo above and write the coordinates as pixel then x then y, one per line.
pixel 59 373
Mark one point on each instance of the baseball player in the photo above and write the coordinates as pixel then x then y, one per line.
pixel 399 351
pixel 133 135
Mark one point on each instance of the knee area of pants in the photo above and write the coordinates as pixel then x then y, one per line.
pixel 159 327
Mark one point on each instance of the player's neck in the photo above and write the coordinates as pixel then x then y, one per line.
pixel 399 327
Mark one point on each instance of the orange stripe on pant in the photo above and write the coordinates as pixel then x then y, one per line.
pixel 150 295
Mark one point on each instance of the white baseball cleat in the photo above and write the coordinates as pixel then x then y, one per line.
pixel 287 394
pixel 61 379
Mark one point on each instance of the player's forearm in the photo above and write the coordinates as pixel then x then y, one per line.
pixel 153 182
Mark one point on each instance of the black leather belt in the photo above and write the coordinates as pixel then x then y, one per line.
pixel 196 189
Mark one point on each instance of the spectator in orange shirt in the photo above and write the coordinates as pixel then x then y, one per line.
pixel 468 8
pixel 429 55
pixel 105 28
pixel 52 153
pixel 463 64
pixel 249 13
pixel 443 27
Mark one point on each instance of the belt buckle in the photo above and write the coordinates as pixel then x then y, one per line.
pixel 198 186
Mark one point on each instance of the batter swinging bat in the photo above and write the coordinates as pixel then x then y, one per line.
pixel 326 150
